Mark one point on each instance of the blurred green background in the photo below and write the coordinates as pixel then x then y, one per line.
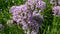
pixel 51 24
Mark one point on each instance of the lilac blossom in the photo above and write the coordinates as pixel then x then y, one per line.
pixel 33 32
pixel 32 4
pixel 59 2
pixel 53 1
pixel 56 10
pixel 41 5
pixel 28 32
pixel 24 15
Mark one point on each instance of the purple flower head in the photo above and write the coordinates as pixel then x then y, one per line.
pixel 59 2
pixel 37 13
pixel 18 9
pixel 53 1
pixel 33 32
pixel 23 7
pixel 15 10
pixel 26 14
pixel 28 32
pixel 33 25
pixel 32 2
pixel 56 10
pixel 41 5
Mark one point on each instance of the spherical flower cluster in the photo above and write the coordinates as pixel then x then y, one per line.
pixel 56 10
pixel 25 15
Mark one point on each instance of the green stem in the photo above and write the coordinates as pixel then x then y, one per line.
pixel 57 2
